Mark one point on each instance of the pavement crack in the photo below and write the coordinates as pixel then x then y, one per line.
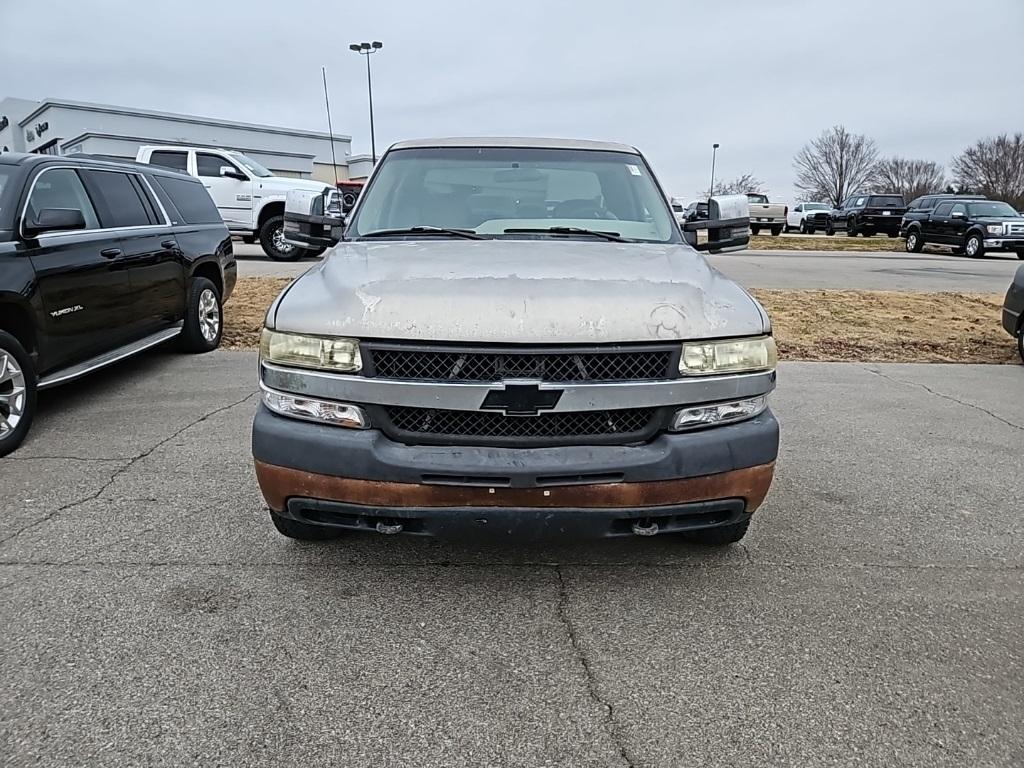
pixel 611 724
pixel 944 396
pixel 129 463
pixel 68 458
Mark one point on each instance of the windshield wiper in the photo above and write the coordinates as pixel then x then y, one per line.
pixel 613 236
pixel 466 233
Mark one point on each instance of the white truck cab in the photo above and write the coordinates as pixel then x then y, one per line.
pixel 250 198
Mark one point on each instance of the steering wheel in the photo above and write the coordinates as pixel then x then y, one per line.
pixel 581 209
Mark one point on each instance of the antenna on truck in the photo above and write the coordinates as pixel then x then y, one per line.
pixel 330 128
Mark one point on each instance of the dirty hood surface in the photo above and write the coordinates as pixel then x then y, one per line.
pixel 516 292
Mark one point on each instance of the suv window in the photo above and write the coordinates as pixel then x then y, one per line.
pixel 121 202
pixel 61 188
pixel 210 165
pixel 176 160
pixel 859 202
pixel 886 201
pixel 191 199
pixel 943 209
pixel 922 204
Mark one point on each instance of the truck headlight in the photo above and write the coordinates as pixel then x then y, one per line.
pixel 704 358
pixel 312 409
pixel 698 416
pixel 994 229
pixel 322 352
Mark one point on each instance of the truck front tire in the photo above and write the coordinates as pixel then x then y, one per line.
pixel 272 241
pixel 17 393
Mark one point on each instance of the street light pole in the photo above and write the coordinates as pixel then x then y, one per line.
pixel 365 49
pixel 714 152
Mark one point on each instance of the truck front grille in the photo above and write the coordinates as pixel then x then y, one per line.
pixel 488 365
pixel 618 426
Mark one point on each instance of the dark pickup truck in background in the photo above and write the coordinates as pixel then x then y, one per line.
pixel 867 214
pixel 971 226
pixel 99 261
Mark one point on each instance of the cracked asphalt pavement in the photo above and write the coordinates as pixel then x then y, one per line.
pixel 873 616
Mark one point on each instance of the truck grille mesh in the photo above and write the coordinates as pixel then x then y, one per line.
pixel 495 366
pixel 626 423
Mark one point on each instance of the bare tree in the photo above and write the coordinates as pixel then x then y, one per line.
pixel 741 185
pixel 910 178
pixel 994 167
pixel 835 165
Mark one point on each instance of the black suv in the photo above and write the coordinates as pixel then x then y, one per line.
pixel 868 214
pixel 969 225
pixel 100 260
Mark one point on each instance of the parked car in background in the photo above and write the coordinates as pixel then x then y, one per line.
pixel 250 198
pixel 969 226
pixel 678 209
pixel 515 337
pixel 796 218
pixel 867 215
pixel 766 215
pixel 698 210
pixel 1013 310
pixel 817 221
pixel 100 261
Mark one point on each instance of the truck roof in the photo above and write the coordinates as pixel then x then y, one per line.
pixel 517 142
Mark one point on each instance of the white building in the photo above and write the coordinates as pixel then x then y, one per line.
pixel 62 127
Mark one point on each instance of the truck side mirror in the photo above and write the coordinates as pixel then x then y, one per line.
pixel 55 220
pixel 232 173
pixel 726 228
pixel 313 219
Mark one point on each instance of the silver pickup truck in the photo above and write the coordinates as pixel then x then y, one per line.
pixel 765 215
pixel 515 336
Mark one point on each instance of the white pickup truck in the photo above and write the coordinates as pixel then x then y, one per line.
pixel 249 197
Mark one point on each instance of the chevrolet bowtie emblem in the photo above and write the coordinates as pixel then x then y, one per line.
pixel 521 399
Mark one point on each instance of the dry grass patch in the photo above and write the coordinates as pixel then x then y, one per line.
pixel 809 325
pixel 837 243
pixel 888 326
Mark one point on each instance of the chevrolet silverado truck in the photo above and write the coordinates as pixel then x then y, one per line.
pixel 771 216
pixel 251 199
pixel 516 336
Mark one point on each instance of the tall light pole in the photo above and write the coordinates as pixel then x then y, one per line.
pixel 714 152
pixel 365 49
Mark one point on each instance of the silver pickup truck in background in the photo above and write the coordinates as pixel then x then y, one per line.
pixel 515 336
pixel 765 215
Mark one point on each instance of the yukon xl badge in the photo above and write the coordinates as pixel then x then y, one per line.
pixel 521 399
pixel 66 310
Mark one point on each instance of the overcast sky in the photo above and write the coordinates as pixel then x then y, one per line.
pixel 923 77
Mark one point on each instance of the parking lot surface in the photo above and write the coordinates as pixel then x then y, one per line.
pixel 877 271
pixel 873 616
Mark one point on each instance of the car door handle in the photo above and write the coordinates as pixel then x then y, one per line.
pixel 111 253
pixel 169 244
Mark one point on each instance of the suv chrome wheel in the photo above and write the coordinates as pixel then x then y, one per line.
pixel 209 315
pixel 12 394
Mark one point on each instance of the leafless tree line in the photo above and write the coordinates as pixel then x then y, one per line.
pixel 838 164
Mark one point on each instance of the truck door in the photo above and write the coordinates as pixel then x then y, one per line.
pixel 958 223
pixel 81 275
pixel 229 186
pixel 936 228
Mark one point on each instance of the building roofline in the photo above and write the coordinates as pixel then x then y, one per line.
pixel 161 143
pixel 517 142
pixel 114 110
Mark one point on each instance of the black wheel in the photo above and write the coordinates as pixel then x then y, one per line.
pixel 974 246
pixel 851 228
pixel 867 232
pixel 204 317
pixel 1020 345
pixel 313 253
pixel 830 229
pixel 17 393
pixel 274 245
pixel 293 529
pixel 891 234
pixel 249 239
pixel 1020 255
pixel 811 230
pixel 720 536
pixel 914 242
pixel 803 228
pixel 776 231
pixel 755 230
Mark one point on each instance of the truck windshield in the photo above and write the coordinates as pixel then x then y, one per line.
pixel 991 209
pixel 815 207
pixel 489 191
pixel 254 168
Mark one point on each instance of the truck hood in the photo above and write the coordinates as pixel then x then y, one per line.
pixel 516 292
pixel 280 185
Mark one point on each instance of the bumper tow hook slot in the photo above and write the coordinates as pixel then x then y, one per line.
pixel 389 528
pixel 645 527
